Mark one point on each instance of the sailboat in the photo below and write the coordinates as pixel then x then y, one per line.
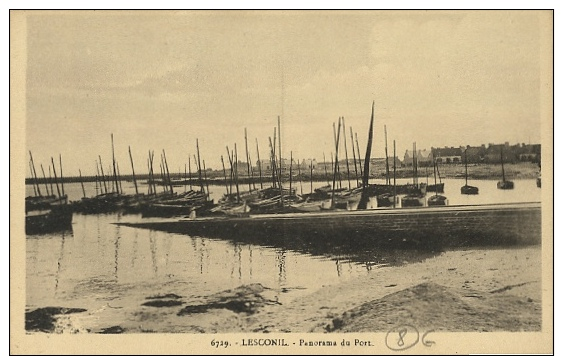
pixel 504 184
pixel 436 187
pixel 468 189
pixel 437 199
pixel 387 198
pixel 44 214
pixel 415 196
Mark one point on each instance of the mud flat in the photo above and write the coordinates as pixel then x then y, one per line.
pixel 463 290
pixel 495 289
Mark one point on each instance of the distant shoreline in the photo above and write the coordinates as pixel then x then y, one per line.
pixel 482 171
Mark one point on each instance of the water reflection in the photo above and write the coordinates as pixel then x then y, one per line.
pixel 99 261
pixel 280 262
pixel 59 261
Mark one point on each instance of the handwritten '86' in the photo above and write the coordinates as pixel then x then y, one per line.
pixel 404 337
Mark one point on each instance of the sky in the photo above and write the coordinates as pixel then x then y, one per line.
pixel 162 80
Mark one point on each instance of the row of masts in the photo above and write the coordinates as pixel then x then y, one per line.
pixel 49 192
pixel 111 183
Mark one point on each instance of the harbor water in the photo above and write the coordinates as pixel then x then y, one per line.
pixel 103 266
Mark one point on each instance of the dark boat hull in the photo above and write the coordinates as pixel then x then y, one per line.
pixel 411 227
pixel 469 190
pixel 506 184
pixel 438 188
pixel 437 200
pixel 412 201
pixel 42 222
pixel 387 200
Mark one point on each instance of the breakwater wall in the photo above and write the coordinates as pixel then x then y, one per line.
pixel 424 227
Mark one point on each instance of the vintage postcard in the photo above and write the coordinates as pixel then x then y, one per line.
pixel 243 182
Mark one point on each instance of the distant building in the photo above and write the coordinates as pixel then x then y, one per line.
pixel 424 158
pixel 307 163
pixel 446 154
pixel 493 153
pixel 474 154
pixel 528 153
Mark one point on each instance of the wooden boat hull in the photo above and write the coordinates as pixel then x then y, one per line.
pixel 46 221
pixel 429 227
pixel 469 190
pixel 412 201
pixel 387 200
pixel 507 184
pixel 437 200
pixel 170 210
pixel 437 188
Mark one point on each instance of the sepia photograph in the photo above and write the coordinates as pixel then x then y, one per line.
pixel 261 181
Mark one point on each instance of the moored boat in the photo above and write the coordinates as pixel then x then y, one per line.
pixel 468 189
pixel 50 213
pixel 43 221
pixel 504 183
pixel 435 200
pixel 412 200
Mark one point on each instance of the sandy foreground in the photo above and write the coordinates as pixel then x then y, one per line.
pixel 462 290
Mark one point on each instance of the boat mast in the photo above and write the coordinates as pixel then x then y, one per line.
pixel 290 170
pixel 34 174
pixel 272 161
pixel 103 175
pixel 168 171
pixel 97 176
pixel 199 164
pixel 229 155
pixel 51 181
pixel 502 163
pixel 337 139
pixel 119 178
pixel 365 182
pixel 300 178
pixel 326 173
pixel 359 157
pixel 465 166
pixel 394 176
pixel 435 182
pixel 162 178
pixel 280 153
pixel 133 169
pixel 55 174
pixel 153 183
pixel 346 153
pixel 259 164
pixel 33 182
pixel 82 184
pixel 247 161
pixel 311 166
pixel 62 182
pixel 337 166
pixel 113 163
pixel 190 170
pixel 225 175
pixel 95 181
pixel 354 156
pixel 205 177
pixel 387 178
pixel 45 181
pixel 235 159
pixel 414 163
